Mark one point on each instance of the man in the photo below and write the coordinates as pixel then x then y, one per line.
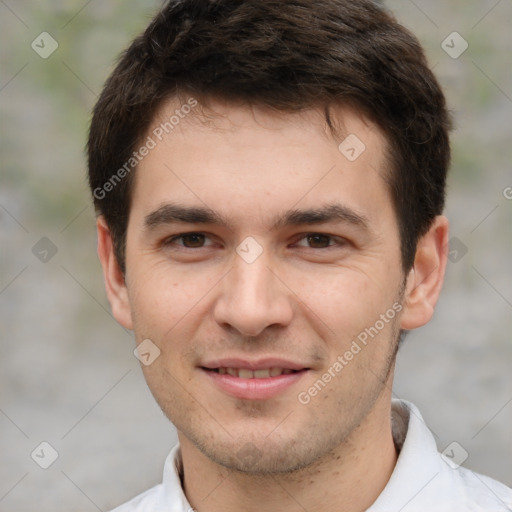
pixel 269 180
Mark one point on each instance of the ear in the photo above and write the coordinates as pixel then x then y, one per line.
pixel 426 277
pixel 115 285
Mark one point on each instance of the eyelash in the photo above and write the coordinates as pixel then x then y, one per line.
pixel 338 241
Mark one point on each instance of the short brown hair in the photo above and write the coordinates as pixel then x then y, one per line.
pixel 288 55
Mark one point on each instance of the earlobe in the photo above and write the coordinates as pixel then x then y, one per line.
pixel 115 285
pixel 426 277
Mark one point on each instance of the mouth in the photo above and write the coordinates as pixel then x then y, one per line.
pixel 254 381
pixel 246 373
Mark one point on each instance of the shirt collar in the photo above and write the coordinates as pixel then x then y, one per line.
pixel 418 463
pixel 173 498
pixel 422 480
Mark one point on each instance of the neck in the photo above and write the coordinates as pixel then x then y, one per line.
pixel 350 477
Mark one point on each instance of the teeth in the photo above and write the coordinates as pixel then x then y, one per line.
pixel 244 373
pixel 261 374
pixel 274 372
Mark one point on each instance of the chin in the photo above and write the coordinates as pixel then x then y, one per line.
pixel 263 457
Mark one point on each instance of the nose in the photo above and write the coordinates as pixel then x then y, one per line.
pixel 252 298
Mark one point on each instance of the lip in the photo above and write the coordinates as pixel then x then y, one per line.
pixel 254 389
pixel 259 364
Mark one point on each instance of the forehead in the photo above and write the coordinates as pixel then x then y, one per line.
pixel 247 160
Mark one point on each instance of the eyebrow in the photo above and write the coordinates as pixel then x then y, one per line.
pixel 171 213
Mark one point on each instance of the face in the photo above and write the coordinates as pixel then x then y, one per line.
pixel 263 263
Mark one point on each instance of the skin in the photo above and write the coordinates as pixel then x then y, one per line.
pixel 303 299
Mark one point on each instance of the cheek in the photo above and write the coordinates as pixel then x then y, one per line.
pixel 161 300
pixel 344 300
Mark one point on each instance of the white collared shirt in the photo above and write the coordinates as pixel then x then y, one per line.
pixel 423 479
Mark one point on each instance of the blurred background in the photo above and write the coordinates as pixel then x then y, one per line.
pixel 68 374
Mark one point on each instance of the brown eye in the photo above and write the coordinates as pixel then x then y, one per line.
pixel 188 240
pixel 318 241
pixel 193 240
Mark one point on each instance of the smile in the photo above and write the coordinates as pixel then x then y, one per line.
pixel 246 373
pixel 246 384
